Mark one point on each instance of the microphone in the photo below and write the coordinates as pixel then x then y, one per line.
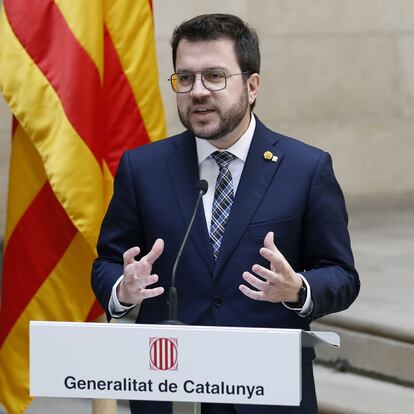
pixel 201 188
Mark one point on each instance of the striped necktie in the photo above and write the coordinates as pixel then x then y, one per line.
pixel 223 199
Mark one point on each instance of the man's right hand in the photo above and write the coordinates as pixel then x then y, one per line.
pixel 132 289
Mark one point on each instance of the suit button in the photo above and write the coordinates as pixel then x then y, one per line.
pixel 217 301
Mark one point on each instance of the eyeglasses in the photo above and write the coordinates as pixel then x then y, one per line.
pixel 213 80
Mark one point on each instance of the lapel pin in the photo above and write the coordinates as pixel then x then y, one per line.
pixel 270 157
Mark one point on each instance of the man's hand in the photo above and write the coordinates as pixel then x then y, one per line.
pixel 137 275
pixel 281 283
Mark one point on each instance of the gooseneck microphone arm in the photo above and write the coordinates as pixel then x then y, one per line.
pixel 202 188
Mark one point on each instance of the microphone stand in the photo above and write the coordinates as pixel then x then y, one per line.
pixel 202 188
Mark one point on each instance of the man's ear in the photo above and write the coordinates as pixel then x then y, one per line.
pixel 253 85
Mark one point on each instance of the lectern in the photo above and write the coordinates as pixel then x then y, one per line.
pixel 169 362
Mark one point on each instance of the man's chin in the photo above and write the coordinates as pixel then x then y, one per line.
pixel 208 137
pixel 207 133
pixel 204 130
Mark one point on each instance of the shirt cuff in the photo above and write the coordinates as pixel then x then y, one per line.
pixel 308 305
pixel 115 308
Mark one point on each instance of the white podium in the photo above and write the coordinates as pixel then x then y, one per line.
pixel 169 362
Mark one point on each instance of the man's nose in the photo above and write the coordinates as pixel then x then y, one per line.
pixel 198 88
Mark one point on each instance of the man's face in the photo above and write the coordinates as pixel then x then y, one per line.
pixel 221 116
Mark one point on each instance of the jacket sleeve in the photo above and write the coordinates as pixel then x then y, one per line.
pixel 326 252
pixel 121 229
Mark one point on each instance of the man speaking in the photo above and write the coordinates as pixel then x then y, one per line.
pixel 269 246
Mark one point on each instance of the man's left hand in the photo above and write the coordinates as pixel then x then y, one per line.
pixel 280 283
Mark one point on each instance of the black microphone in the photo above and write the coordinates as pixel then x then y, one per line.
pixel 202 188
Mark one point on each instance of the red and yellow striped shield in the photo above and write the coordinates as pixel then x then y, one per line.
pixel 81 80
pixel 164 354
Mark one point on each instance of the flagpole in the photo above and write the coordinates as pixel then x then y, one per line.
pixel 104 406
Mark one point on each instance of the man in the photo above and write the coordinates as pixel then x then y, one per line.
pixel 269 247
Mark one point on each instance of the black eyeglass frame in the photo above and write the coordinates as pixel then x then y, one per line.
pixel 194 75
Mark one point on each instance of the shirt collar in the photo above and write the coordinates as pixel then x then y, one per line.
pixel 240 148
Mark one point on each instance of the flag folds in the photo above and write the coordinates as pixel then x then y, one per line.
pixel 81 80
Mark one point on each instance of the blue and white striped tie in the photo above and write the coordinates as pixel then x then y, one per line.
pixel 223 199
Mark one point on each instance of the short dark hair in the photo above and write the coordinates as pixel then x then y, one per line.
pixel 222 26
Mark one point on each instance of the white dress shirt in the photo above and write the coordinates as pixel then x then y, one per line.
pixel 209 170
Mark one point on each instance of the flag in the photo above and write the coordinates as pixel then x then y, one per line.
pixel 81 80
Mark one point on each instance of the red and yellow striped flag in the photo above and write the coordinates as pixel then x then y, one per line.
pixel 81 80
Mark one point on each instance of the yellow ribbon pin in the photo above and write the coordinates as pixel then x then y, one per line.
pixel 270 157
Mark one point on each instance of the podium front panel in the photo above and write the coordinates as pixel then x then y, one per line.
pixel 165 363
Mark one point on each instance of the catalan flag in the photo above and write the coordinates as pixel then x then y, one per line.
pixel 80 77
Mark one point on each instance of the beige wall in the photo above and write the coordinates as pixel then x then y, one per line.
pixel 338 74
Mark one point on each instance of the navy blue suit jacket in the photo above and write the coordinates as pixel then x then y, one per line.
pixel 297 197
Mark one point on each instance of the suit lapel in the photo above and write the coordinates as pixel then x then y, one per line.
pixel 184 175
pixel 256 177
